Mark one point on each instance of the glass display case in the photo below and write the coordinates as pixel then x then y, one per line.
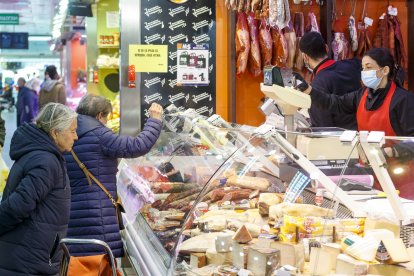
pixel 213 198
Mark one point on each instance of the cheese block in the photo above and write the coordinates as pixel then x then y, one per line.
pixel 382 224
pixel 294 209
pixel 200 243
pixel 240 253
pixel 242 235
pixel 390 270
pixel 333 250
pixel 290 254
pixel 223 242
pixel 198 260
pixel 320 262
pixel 253 229
pixel 266 200
pixel 202 271
pixel 263 261
pixel 349 266
pixel 396 251
pixel 216 258
pixel 410 264
pixel 255 183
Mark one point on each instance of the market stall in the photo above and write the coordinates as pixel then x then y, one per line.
pixel 217 199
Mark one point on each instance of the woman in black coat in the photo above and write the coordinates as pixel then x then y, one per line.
pixel 34 212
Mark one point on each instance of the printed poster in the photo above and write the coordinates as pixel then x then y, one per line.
pixel 149 58
pixel 192 64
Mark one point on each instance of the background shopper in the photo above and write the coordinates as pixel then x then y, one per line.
pixel 21 83
pixel 92 213
pixel 29 101
pixel 34 212
pixel 53 91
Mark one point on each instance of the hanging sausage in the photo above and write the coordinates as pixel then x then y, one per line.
pixel 254 61
pixel 364 41
pixel 381 39
pixel 290 38
pixel 299 26
pixel 280 48
pixel 265 9
pixel 265 42
pixel 352 28
pixel 242 43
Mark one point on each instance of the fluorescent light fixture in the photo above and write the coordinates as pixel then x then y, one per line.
pixel 84 36
pixel 40 37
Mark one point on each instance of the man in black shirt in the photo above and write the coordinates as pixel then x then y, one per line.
pixel 330 77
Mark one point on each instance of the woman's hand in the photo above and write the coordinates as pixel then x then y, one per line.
pixel 156 111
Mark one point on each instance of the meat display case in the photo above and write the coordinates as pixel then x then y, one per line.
pixel 206 179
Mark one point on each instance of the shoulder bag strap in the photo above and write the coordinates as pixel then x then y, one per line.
pixel 89 175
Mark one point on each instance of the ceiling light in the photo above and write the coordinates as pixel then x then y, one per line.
pixel 39 37
pixel 398 170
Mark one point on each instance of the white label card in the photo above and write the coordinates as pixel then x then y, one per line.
pixel 392 11
pixel 368 21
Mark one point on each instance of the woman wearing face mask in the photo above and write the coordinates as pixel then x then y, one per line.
pixel 98 148
pixel 381 105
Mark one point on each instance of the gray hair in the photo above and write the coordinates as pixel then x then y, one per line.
pixel 92 105
pixel 33 84
pixel 55 116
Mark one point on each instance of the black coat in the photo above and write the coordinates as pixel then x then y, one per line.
pixel 401 110
pixel 340 78
pixel 34 212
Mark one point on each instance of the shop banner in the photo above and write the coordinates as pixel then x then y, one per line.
pixel 183 27
pixel 149 58
pixel 9 19
pixel 192 64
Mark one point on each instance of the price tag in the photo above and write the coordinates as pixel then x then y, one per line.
pixel 368 21
pixel 276 121
pixel 360 25
pixel 392 11
pixel 382 16
pixel 264 129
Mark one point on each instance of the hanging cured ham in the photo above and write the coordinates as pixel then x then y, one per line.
pixel 299 25
pixel 254 61
pixel 340 46
pixel 242 43
pixel 312 25
pixel 290 38
pixel 266 43
pixel 280 48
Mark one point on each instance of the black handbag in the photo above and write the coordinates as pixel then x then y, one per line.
pixel 119 208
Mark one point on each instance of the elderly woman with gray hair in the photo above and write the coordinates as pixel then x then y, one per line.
pixel 34 211
pixel 98 148
pixel 28 101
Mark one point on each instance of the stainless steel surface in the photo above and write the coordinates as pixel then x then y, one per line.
pixel 130 97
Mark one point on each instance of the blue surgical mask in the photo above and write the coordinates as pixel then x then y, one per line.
pixel 370 79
